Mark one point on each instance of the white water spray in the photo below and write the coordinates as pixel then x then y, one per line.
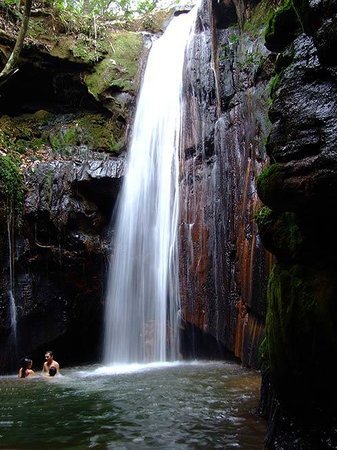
pixel 142 304
pixel 12 305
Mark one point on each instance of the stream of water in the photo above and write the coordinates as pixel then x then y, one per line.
pixel 142 311
pixel 12 304
pixel 161 406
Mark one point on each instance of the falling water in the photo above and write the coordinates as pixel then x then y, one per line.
pixel 142 311
pixel 12 305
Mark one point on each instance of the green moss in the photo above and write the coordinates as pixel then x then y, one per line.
pixel 83 48
pixel 17 133
pixel 279 16
pixel 11 184
pixel 101 133
pixel 31 133
pixel 263 217
pixel 63 138
pixel 259 18
pixel 301 334
pixel 263 355
pixel 287 234
pixel 120 67
pixel 84 51
pixel 269 182
pixel 273 85
pixel 92 130
pixel 283 26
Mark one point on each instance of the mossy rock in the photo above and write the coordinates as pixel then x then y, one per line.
pixel 80 49
pixel 280 234
pixel 18 134
pixel 301 337
pixel 101 133
pixel 63 134
pixel 119 69
pixel 259 18
pixel 95 131
pixel 269 186
pixel 283 27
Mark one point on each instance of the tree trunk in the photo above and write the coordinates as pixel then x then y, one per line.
pixel 13 59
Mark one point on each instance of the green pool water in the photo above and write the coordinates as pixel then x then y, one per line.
pixel 168 406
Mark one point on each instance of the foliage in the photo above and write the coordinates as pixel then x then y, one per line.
pixel 251 58
pixel 117 8
pixel 263 217
pixel 259 18
pixel 11 184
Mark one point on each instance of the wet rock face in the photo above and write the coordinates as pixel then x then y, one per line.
pixel 304 129
pixel 64 255
pixel 300 188
pixel 223 265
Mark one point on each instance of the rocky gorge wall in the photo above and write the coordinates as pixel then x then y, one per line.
pixel 298 227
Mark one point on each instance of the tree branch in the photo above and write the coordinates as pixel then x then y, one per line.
pixel 12 62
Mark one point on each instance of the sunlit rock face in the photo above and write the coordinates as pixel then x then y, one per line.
pixel 223 265
pixel 300 188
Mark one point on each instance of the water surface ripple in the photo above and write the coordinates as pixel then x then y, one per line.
pixel 169 406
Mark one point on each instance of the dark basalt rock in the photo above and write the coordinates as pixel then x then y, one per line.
pixel 62 260
pixel 300 188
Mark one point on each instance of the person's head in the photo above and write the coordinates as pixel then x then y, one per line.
pixel 52 371
pixel 48 356
pixel 26 364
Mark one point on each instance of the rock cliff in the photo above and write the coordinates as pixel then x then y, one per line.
pixel 224 266
pixel 299 188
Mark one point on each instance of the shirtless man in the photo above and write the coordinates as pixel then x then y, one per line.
pixel 49 357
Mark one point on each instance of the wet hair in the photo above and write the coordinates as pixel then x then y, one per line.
pixel 52 371
pixel 50 352
pixel 25 363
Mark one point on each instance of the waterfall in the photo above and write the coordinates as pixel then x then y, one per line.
pixel 142 303
pixel 12 305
